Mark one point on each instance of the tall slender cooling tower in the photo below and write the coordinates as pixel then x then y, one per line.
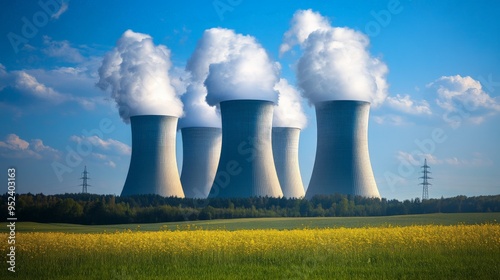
pixel 246 166
pixel 342 162
pixel 153 165
pixel 286 159
pixel 201 152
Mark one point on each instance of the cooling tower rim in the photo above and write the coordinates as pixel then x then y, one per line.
pixel 152 116
pixel 248 101
pixel 202 127
pixel 342 101
pixel 287 128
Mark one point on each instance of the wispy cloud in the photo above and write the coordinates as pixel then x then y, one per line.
pixel 104 159
pixel 26 84
pixel 61 49
pixel 464 96
pixel 390 120
pixel 30 86
pixel 108 145
pixel 62 10
pixel 417 159
pixel 15 147
pixel 405 104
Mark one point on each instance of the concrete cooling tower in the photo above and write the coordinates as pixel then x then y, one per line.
pixel 342 162
pixel 201 152
pixel 246 166
pixel 286 159
pixel 153 165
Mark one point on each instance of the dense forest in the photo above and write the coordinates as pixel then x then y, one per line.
pixel 110 209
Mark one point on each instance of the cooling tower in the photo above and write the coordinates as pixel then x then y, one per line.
pixel 201 152
pixel 342 162
pixel 246 166
pixel 153 165
pixel 286 159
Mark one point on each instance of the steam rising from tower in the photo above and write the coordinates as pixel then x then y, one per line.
pixel 244 70
pixel 335 62
pixel 340 77
pixel 241 82
pixel 137 71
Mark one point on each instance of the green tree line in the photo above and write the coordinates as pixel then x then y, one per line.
pixel 110 209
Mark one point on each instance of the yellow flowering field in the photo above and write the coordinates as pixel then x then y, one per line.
pixel 413 252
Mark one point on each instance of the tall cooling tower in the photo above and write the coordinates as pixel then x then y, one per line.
pixel 286 158
pixel 201 152
pixel 246 166
pixel 342 162
pixel 153 165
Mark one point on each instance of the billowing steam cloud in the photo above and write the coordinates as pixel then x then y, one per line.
pixel 213 47
pixel 288 112
pixel 240 67
pixel 138 73
pixel 335 64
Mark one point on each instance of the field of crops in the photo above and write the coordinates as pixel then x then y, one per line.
pixel 411 252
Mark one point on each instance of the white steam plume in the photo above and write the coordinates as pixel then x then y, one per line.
pixel 213 47
pixel 288 112
pixel 137 72
pixel 242 70
pixel 336 63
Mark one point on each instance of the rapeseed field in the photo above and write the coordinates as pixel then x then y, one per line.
pixel 412 252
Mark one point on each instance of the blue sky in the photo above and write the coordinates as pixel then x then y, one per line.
pixel 443 99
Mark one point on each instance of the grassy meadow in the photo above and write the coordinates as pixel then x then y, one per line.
pixel 461 246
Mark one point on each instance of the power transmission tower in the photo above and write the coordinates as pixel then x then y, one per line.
pixel 425 180
pixel 85 179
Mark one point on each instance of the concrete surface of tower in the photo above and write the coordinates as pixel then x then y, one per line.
pixel 246 166
pixel 342 163
pixel 153 165
pixel 201 152
pixel 286 158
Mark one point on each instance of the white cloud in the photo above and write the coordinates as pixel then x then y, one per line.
pixel 464 97
pixel 58 86
pixel 108 145
pixel 110 163
pixel 104 159
pixel 390 120
pixel 15 147
pixel 416 158
pixel 61 49
pixel 407 105
pixel 62 10
pixel 28 84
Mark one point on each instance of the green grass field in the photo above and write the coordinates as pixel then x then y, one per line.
pixel 435 246
pixel 274 223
